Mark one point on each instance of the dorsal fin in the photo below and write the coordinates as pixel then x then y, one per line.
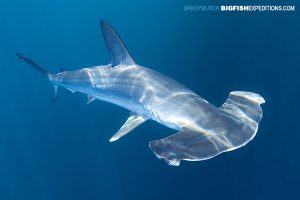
pixel 117 50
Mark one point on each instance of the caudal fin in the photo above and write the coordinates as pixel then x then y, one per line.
pixel 40 69
pixel 36 66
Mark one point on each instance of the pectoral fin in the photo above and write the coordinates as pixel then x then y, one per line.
pixel 132 122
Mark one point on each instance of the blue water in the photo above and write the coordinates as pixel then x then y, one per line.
pixel 61 151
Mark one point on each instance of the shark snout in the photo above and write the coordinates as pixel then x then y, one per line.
pixel 165 152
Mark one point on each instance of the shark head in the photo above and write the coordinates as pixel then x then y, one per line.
pixel 165 152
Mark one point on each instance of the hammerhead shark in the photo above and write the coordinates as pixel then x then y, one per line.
pixel 204 130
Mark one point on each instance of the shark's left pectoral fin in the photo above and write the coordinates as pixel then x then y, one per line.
pixel 132 122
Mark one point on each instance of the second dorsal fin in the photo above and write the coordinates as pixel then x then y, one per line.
pixel 117 50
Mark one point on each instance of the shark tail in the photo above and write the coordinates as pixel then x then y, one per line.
pixel 40 69
pixel 36 66
pixel 234 127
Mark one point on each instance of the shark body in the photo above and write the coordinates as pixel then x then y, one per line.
pixel 204 130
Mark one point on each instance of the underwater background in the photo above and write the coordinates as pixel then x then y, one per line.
pixel 61 150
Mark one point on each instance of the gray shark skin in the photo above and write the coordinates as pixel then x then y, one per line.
pixel 204 130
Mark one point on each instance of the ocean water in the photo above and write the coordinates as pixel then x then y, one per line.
pixel 61 151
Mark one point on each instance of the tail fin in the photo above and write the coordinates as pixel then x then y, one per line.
pixel 233 127
pixel 33 64
pixel 40 69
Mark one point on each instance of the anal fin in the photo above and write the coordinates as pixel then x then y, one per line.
pixel 132 122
